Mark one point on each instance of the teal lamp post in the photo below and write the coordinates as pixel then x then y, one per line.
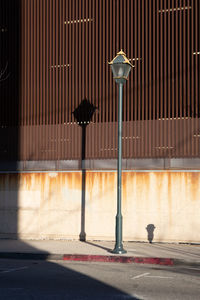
pixel 121 67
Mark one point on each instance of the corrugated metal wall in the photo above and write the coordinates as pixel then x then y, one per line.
pixel 65 49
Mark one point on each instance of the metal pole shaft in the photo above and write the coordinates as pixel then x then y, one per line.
pixel 82 235
pixel 118 245
pixel 119 161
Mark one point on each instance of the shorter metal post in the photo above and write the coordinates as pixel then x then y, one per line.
pixel 118 230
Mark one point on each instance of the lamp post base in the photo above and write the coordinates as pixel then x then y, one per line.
pixel 118 250
pixel 82 236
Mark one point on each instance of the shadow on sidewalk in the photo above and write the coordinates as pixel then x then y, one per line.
pixel 49 280
pixel 98 246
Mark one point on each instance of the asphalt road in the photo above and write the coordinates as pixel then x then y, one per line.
pixel 25 279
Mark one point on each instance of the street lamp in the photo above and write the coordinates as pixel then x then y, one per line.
pixel 121 67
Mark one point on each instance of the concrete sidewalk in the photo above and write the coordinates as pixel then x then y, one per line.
pixel 137 252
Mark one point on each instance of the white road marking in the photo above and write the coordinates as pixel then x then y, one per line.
pixel 141 275
pixel 150 276
pixel 161 277
pixel 13 270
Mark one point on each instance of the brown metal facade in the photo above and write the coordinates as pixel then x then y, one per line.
pixel 64 54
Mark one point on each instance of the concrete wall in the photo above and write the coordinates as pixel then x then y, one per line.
pixel 48 205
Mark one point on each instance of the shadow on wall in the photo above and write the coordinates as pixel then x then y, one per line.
pixel 72 285
pixel 9 115
pixel 150 232
pixel 83 115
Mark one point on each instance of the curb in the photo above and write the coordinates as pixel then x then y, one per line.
pixel 87 258
pixel 119 259
pixel 100 258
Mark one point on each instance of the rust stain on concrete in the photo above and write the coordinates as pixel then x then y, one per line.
pixel 9 181
pixel 161 197
pixel 124 188
pixel 194 185
pixel 100 184
pixel 170 195
pixel 74 180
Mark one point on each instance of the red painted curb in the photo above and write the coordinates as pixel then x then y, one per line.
pixel 98 258
pixel 119 259
pixel 154 260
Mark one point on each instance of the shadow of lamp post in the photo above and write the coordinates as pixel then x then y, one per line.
pixel 121 67
pixel 83 115
pixel 150 230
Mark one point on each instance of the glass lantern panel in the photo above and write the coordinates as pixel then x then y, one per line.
pixel 127 69
pixel 118 70
pixel 121 70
